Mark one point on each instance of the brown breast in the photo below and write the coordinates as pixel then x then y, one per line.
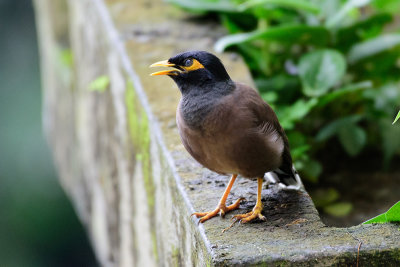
pixel 237 136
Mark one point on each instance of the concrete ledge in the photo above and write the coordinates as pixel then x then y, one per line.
pixel 120 159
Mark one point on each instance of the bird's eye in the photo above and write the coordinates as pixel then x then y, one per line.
pixel 188 62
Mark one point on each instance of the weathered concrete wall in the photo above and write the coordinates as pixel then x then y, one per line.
pixel 119 156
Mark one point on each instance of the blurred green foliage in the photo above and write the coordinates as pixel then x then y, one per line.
pixel 330 69
pixel 328 200
pixel 38 225
pixel 100 84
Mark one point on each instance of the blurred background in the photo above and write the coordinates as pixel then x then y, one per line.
pixel 38 226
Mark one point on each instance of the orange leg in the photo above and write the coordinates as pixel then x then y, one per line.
pixel 221 208
pixel 256 212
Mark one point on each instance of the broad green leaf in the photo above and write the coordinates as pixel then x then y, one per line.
pixel 378 219
pixel 392 6
pixel 254 57
pixel 392 215
pixel 289 115
pixel 100 83
pixel 298 151
pixel 311 169
pixel 337 18
pixel 339 209
pixel 390 139
pixel 362 30
pixel 295 4
pixel 230 25
pixel 280 83
pixel 270 97
pixel 320 70
pixel 325 99
pixel 333 128
pixel 328 8
pixel 201 5
pixel 397 118
pixel 299 34
pixel 352 138
pixel 384 98
pixel 372 47
pixel 297 139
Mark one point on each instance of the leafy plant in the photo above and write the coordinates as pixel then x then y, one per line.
pixel 397 117
pixel 392 215
pixel 329 68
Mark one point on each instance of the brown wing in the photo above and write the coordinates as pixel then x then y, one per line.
pixel 240 135
pixel 266 122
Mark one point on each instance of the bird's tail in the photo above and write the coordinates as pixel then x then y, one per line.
pixel 288 181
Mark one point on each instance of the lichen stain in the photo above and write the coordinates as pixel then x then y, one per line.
pixel 175 254
pixel 139 133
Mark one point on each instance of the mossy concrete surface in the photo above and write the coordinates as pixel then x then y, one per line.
pixel 120 159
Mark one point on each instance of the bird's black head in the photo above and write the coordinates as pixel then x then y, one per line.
pixel 194 69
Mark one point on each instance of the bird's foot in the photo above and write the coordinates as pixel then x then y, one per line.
pixel 248 217
pixel 221 209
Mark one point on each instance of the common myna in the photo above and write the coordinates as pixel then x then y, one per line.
pixel 227 127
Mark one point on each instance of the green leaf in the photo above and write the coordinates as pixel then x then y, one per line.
pixel 280 83
pixel 325 99
pixel 392 6
pixel 340 209
pixel 229 24
pixel 254 57
pixel 320 70
pixel 298 151
pixel 100 83
pixel 392 215
pixel 289 115
pixel 352 138
pixel 397 118
pixel 269 97
pixel 361 30
pixel 337 18
pixel 384 98
pixel 311 169
pixel 299 34
pixel 295 4
pixel 328 9
pixel 378 219
pixel 333 128
pixel 390 139
pixel 372 47
pixel 201 5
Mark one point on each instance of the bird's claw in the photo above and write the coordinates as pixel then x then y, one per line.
pixel 245 218
pixel 221 209
pixel 250 216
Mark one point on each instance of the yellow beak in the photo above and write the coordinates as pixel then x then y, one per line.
pixel 163 63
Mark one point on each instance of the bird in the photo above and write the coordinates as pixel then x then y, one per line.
pixel 228 128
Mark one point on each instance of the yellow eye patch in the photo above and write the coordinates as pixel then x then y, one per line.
pixel 195 65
